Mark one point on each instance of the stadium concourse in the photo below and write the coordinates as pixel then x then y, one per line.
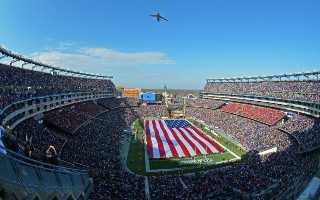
pixel 91 134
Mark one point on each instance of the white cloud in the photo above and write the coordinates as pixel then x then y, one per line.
pixel 98 59
pixel 3 46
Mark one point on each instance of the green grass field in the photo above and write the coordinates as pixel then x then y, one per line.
pixel 136 160
pixel 224 141
pixel 136 155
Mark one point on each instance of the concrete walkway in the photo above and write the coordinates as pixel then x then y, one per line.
pixel 146 157
pixel 146 188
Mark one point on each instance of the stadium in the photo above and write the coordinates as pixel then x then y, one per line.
pixel 159 100
pixel 242 138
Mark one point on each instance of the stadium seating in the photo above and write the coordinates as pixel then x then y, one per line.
pixel 97 146
pixel 99 126
pixel 262 114
pixel 204 103
pixel 251 134
pixel 296 90
pixel 71 117
pixel 18 84
pixel 305 129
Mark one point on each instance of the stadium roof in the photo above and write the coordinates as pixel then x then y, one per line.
pixel 16 57
pixel 289 76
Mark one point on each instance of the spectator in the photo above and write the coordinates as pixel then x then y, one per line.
pixel 99 137
pixel 28 150
pixel 262 114
pixel 305 90
pixel 19 84
pixel 11 142
pixel 51 155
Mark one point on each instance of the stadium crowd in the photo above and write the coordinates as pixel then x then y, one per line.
pixel 69 118
pixel 97 143
pixel 204 103
pixel 246 180
pixel 167 187
pixel 152 111
pixel 19 84
pixel 32 139
pixel 261 114
pixel 250 134
pixel 112 103
pixel 297 90
pixel 243 179
pixel 97 146
pixel 305 129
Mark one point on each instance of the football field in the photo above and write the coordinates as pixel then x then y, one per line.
pixel 177 146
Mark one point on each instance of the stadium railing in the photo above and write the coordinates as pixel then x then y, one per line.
pixel 24 178
pixel 19 111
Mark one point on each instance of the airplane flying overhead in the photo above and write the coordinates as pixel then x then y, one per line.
pixel 159 17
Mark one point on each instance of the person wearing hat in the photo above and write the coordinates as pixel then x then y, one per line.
pixel 51 155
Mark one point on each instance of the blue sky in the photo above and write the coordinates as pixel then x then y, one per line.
pixel 203 39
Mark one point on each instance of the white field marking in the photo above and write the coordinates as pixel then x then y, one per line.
pixel 235 155
pixel 177 169
pixel 146 156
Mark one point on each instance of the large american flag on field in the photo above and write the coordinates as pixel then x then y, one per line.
pixel 177 138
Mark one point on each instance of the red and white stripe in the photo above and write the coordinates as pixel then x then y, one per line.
pixel 165 142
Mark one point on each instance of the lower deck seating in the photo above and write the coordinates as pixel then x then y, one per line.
pixel 262 114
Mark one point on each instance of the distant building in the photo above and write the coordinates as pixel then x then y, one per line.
pixel 132 92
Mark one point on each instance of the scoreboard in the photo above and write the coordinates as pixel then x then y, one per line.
pixel 151 98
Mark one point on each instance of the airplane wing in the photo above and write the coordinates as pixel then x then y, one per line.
pixel 153 15
pixel 164 18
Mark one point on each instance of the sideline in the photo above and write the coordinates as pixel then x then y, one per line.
pixel 178 169
pixel 235 155
pixel 146 156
